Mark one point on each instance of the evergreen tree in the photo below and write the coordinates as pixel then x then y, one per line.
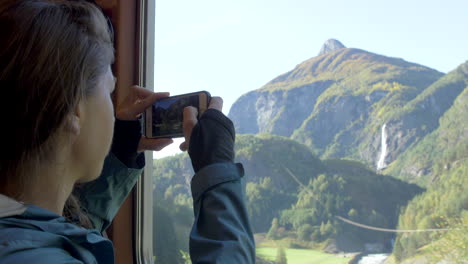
pixel 304 232
pixel 164 231
pixel 272 234
pixel 185 257
pixel 281 256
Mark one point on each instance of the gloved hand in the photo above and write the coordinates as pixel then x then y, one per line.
pixel 210 139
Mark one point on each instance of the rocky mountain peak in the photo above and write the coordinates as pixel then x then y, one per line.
pixel 331 45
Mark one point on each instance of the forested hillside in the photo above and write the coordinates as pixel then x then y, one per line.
pixel 421 163
pixel 291 194
pixel 444 154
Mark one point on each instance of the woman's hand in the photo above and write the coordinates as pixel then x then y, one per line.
pixel 136 102
pixel 211 139
pixel 132 107
pixel 190 119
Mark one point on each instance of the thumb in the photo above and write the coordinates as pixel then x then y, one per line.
pixel 153 144
pixel 141 106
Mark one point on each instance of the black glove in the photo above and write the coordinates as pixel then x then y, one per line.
pixel 127 135
pixel 212 140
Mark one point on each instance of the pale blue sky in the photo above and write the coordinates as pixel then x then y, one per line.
pixel 231 47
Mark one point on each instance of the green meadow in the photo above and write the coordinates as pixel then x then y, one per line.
pixel 303 256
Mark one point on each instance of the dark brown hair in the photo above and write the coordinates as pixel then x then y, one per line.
pixel 51 55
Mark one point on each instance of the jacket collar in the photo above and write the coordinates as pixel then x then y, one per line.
pixel 17 214
pixel 10 207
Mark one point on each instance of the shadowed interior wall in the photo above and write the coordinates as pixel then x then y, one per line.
pixel 124 15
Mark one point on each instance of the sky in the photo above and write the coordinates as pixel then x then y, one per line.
pixel 232 47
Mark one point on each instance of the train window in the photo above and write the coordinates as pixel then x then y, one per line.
pixel 144 202
pixel 350 120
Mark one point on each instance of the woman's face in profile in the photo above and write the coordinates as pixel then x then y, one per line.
pixel 97 127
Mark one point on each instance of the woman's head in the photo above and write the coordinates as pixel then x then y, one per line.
pixel 55 61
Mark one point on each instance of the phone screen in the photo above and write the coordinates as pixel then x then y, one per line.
pixel 168 114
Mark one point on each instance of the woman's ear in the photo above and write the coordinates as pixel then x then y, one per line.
pixel 74 124
pixel 75 119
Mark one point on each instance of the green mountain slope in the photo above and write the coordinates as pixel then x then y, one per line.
pixel 444 205
pixel 278 153
pixel 285 181
pixel 423 161
pixel 353 69
pixel 348 189
pixel 336 104
pixel 443 157
pixel 268 156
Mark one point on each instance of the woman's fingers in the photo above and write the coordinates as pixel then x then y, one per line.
pixel 190 120
pixel 136 102
pixel 216 103
pixel 184 146
pixel 144 98
pixel 141 104
pixel 153 144
pixel 140 92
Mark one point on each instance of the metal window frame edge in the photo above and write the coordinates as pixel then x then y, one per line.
pixel 144 202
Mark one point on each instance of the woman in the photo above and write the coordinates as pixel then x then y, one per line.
pixel 60 187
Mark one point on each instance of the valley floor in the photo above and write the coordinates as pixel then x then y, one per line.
pixel 304 256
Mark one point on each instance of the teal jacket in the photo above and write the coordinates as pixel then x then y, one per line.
pixel 221 232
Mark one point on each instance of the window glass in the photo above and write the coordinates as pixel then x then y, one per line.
pixel 350 120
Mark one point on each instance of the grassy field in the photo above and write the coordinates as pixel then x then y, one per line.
pixel 303 256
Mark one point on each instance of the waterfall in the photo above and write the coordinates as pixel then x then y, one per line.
pixel 383 152
pixel 373 259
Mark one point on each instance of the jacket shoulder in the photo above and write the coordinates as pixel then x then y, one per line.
pixel 20 245
pixel 35 255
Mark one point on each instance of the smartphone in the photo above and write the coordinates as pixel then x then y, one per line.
pixel 165 117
